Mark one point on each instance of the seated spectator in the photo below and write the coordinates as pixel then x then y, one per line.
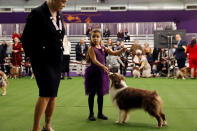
pixel 135 47
pixel 148 53
pixel 162 54
pixel 117 45
pixel 113 63
pixel 126 35
pixel 192 50
pixel 120 36
pixel 88 32
pixel 106 33
pixel 155 55
pixel 110 44
pixel 147 49
pixel 163 65
pixel 141 61
pixel 168 27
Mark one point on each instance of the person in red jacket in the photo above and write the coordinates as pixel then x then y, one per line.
pixel 16 51
pixel 192 50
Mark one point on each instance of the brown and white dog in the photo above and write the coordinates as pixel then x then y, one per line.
pixel 182 73
pixel 3 82
pixel 136 72
pixel 126 98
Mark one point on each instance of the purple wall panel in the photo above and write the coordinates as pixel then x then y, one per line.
pixel 76 29
pixel 184 19
pixel 21 27
pixel 8 29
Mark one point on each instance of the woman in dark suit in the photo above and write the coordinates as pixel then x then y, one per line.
pixel 42 42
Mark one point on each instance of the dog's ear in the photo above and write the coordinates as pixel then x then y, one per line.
pixel 116 80
pixel 111 76
pixel 122 77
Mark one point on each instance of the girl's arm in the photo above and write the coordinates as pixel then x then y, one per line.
pixel 94 60
pixel 110 52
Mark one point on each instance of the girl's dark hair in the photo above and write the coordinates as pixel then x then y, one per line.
pixel 92 33
pixel 193 42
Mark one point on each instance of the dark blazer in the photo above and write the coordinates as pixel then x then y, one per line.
pixel 2 54
pixel 41 41
pixel 180 51
pixel 79 53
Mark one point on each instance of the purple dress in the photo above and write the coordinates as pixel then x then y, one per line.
pixel 96 79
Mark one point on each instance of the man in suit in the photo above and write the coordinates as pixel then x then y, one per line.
pixel 3 48
pixel 180 51
pixel 81 50
pixel 42 42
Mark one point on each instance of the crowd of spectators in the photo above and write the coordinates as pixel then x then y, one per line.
pixel 150 62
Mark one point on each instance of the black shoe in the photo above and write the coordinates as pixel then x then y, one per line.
pixel 102 117
pixel 91 118
pixel 69 78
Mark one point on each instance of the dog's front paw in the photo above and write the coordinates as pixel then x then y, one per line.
pixel 165 123
pixel 117 122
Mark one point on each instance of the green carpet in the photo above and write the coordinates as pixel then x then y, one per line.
pixel 179 99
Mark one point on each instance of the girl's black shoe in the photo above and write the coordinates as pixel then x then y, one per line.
pixel 101 116
pixel 91 118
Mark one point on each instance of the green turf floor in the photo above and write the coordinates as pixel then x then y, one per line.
pixel 179 98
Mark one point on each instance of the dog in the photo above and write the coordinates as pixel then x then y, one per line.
pixel 136 72
pixel 14 72
pixel 182 73
pixel 3 82
pixel 127 98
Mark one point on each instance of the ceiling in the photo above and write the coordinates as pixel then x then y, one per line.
pixel 75 5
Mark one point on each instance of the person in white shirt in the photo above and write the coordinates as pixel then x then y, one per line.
pixel 66 57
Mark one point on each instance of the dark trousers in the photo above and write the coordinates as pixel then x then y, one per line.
pixel 99 102
pixel 181 63
pixel 123 70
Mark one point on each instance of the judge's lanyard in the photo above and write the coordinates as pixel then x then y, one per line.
pixel 55 24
